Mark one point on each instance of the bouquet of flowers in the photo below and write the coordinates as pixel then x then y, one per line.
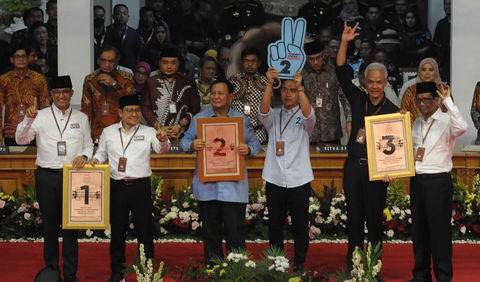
pixel 144 268
pixel 27 212
pixel 397 214
pixel 366 265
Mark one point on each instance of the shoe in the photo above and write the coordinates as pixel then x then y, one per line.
pixel 116 277
pixel 379 279
pixel 72 278
pixel 419 280
pixel 299 269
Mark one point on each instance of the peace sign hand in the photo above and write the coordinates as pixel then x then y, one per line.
pixel 287 54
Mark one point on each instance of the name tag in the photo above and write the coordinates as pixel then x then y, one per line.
pixel 139 138
pixel 74 125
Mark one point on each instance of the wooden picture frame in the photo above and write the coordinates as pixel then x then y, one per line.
pixel 219 161
pixel 86 197
pixel 389 146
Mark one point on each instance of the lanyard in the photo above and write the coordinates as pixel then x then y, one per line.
pixel 55 118
pixel 168 85
pixel 423 141
pixel 101 40
pixel 149 38
pixel 281 113
pixel 125 34
pixel 121 139
pixel 376 112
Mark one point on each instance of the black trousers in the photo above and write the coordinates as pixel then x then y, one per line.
pixel 212 214
pixel 12 142
pixel 296 200
pixel 49 185
pixel 135 197
pixel 365 201
pixel 431 206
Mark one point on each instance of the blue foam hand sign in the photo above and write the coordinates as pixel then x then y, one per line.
pixel 287 55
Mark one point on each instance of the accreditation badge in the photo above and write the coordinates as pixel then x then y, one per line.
pixel 280 148
pixel 122 164
pixel 61 148
pixel 172 107
pixel 105 109
pixel 21 110
pixel 318 101
pixel 420 154
pixel 247 109
pixel 360 136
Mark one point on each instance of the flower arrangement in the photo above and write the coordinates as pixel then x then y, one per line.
pixel 397 215
pixel 466 209
pixel 144 268
pixel 366 265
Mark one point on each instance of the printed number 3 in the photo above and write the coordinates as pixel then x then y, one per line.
pixel 389 144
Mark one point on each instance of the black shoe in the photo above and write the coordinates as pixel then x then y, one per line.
pixel 116 277
pixel 419 280
pixel 379 279
pixel 72 278
pixel 299 269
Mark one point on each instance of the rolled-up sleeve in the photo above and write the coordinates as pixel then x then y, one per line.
pixel 309 122
pixel 265 119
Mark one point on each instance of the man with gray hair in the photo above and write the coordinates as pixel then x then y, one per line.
pixel 365 199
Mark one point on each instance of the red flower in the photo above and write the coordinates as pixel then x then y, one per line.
pixel 177 222
pixel 401 228
pixel 188 279
pixel 184 225
pixel 460 226
pixel 210 277
pixel 167 200
pixel 454 206
pixel 195 266
pixel 391 224
pixel 457 217
pixel 476 228
pixel 201 280
pixel 178 280
pixel 247 222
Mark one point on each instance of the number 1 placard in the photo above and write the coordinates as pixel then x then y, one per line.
pixel 389 146
pixel 219 161
pixel 86 197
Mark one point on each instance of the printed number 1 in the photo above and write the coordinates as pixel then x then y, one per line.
pixel 87 193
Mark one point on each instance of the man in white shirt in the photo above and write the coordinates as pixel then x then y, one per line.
pixel 434 135
pixel 287 168
pixel 127 146
pixel 63 137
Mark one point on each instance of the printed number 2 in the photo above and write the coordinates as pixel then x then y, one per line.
pixel 286 69
pixel 218 152
pixel 389 144
pixel 298 120
pixel 87 193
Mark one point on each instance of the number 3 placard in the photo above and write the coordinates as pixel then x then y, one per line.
pixel 86 197
pixel 219 161
pixel 389 146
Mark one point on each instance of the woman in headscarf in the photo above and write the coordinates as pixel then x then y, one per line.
pixel 416 39
pixel 142 72
pixel 351 16
pixel 427 72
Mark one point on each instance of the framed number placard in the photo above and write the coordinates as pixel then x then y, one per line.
pixel 219 160
pixel 86 197
pixel 389 146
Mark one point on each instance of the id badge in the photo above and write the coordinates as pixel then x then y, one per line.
pixel 105 109
pixel 61 148
pixel 420 154
pixel 247 109
pixel 318 101
pixel 21 110
pixel 172 108
pixel 122 164
pixel 280 148
pixel 360 136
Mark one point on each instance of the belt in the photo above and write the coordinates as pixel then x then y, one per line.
pixel 129 181
pixel 431 175
pixel 361 161
pixel 52 170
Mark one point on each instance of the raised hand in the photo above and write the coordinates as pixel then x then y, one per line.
pixel 161 135
pixel 444 92
pixel 349 33
pixel 272 74
pixel 297 78
pixel 106 79
pixel 287 55
pixel 32 111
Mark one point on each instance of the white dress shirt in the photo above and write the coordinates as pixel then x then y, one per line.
pixel 293 169
pixel 441 139
pixel 77 136
pixel 137 153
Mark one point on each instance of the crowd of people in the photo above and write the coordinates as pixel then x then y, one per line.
pixel 151 84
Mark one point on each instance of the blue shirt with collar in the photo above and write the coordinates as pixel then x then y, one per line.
pixel 225 191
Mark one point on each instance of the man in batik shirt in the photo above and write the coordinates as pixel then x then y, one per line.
pixel 170 100
pixel 324 91
pixel 20 89
pixel 102 89
pixel 249 88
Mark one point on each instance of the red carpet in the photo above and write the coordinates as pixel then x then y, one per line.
pixel 19 262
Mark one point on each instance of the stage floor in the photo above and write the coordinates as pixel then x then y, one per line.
pixel 19 262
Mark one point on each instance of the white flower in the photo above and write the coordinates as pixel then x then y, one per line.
pixel 2 204
pixel 164 211
pixel 397 210
pixel 195 225
pixel 171 215
pixel 313 207
pixel 408 211
pixel 271 267
pixel 265 218
pixel 27 216
pixel 163 231
pixel 343 217
pixel 186 205
pixel 131 225
pixel 36 205
pixel 469 212
pixel 162 221
pixel 265 212
pixel 89 232
pixel 262 199
pixel 452 221
pixel 108 233
pixel 390 233
pixel 250 263
pixel 410 220
pixel 463 229
pixel 174 209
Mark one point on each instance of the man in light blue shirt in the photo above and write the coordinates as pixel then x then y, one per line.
pixel 222 200
pixel 287 168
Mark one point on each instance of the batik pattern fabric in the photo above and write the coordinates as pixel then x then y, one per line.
pixel 96 94
pixel 408 102
pixel 15 91
pixel 325 83
pixel 250 91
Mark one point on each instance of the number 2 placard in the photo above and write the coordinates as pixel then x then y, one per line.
pixel 86 197
pixel 389 146
pixel 219 161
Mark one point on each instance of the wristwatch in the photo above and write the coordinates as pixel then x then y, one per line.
pixel 115 84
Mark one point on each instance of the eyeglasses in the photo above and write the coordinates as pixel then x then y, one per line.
pixel 18 57
pixel 65 92
pixel 131 111
pixel 425 101
pixel 318 58
pixel 248 62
